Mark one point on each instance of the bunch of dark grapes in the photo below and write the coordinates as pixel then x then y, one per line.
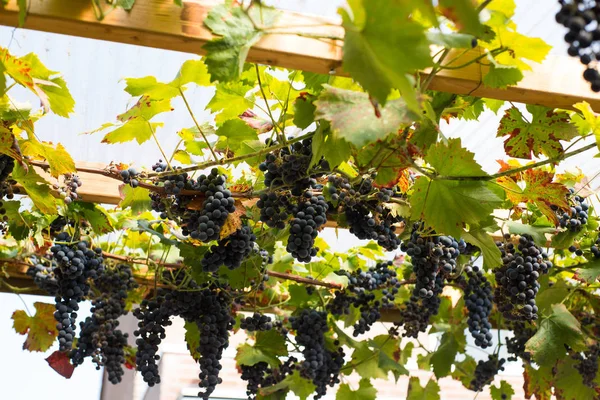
pixel 261 375
pixel 479 301
pixel 595 248
pixel 433 259
pixel 231 251
pixel 582 18
pixel 320 365
pixel 485 371
pixel 204 224
pixel 577 216
pixel 67 278
pixel 99 337
pixel 274 209
pixel 309 216
pixel 360 293
pixel 517 278
pixel 365 213
pixel 290 167
pixel 587 364
pixel 515 345
pixel 206 306
pixel 130 177
pixel 257 322
pixel 68 192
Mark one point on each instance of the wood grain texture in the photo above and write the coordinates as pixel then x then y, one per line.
pixel 161 24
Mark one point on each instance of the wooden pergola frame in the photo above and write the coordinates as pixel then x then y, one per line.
pixel 161 24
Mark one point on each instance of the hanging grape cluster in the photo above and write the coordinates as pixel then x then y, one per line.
pixel 72 265
pixel 99 337
pixel 261 375
pixel 230 251
pixel 485 371
pixel 433 258
pixel 577 216
pixel 517 278
pixel 479 302
pixel 581 17
pixel 361 294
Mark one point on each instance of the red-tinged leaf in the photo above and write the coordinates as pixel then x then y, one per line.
pixel 537 382
pixel 541 135
pixel 539 189
pixel 255 122
pixel 60 362
pixel 40 329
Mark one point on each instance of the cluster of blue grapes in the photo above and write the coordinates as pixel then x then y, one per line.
pixel 67 278
pixel 262 375
pixel 587 364
pixel 595 248
pixel 321 365
pixel 230 251
pixel 68 191
pixel 99 337
pixel 206 306
pixel 433 259
pixel 365 213
pixel 257 322
pixel 479 300
pixel 309 215
pixel 515 345
pixel 485 371
pixel 204 224
pixel 576 218
pixel 290 167
pixel 274 209
pixel 517 278
pixel 360 294
pixel 130 177
pixel 582 18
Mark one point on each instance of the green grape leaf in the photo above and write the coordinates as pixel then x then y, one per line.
pixel 549 295
pixel 225 56
pixel 537 382
pixel 452 40
pixel 294 382
pixel 443 358
pixel 366 363
pixel 230 100
pixel 150 87
pixel 36 187
pixel 192 71
pixel 365 391
pixel 503 392
pixel 464 371
pixel 539 134
pixel 2 78
pixel 415 392
pixel 390 359
pixel 568 384
pixel 453 159
pixel 304 110
pixel 464 15
pixel 380 52
pixel 330 146
pixel 233 133
pixel 538 233
pixel 251 147
pixel 192 339
pixel 539 189
pixel 40 329
pixel 556 330
pixel 354 119
pixel 97 217
pixel 564 239
pixel 137 199
pixel 590 271
pixel 390 157
pixel 586 121
pixel 58 158
pixel 500 77
pixel 485 242
pixel 126 5
pixel 269 345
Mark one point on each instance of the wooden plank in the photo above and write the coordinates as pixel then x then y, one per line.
pixel 161 24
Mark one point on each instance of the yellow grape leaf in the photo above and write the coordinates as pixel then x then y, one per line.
pixel 58 158
pixel 37 189
pixel 233 221
pixel 7 141
pixel 40 329
pixel 587 122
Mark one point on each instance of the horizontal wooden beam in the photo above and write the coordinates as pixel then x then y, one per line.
pixel 557 82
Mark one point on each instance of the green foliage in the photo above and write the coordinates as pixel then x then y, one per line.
pixel 40 329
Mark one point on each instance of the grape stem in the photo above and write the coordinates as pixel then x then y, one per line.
pixel 197 125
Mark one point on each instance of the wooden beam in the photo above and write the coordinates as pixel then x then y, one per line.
pixel 161 24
